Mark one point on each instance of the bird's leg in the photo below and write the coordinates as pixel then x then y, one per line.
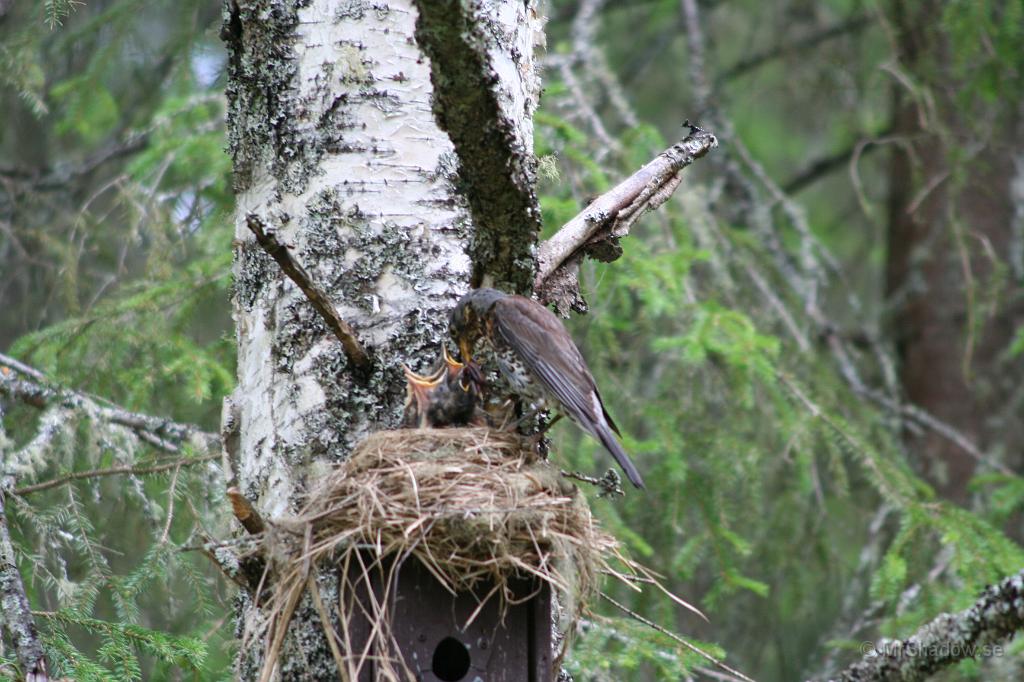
pixel 537 415
pixel 507 409
pixel 551 422
pixel 538 439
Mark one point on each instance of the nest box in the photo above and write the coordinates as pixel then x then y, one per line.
pixel 510 643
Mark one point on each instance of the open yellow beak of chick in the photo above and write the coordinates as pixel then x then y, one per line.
pixel 418 387
pixel 454 367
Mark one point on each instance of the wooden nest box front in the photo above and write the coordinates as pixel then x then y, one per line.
pixel 441 637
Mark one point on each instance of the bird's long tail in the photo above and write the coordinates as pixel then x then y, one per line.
pixel 604 434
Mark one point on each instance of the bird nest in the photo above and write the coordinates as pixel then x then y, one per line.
pixel 475 506
pixel 471 504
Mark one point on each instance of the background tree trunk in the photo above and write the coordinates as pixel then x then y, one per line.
pixel 951 216
pixel 336 148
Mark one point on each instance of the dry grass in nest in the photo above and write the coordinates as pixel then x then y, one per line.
pixel 473 505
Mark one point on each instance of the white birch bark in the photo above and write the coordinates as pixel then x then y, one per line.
pixel 336 147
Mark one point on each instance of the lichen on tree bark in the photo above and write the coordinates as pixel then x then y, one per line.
pixel 485 93
pixel 996 617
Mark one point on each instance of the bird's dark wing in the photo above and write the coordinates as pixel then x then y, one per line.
pixel 608 417
pixel 545 347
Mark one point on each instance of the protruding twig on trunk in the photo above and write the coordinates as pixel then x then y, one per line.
pixel 610 485
pixel 245 512
pixel 354 350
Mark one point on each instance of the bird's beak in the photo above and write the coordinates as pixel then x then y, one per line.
pixel 420 386
pixel 466 350
pixel 454 366
pixel 421 381
pixel 468 367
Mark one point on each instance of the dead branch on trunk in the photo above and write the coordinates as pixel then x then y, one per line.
pixel 354 350
pixel 596 230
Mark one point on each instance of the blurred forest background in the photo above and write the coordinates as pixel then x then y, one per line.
pixel 815 348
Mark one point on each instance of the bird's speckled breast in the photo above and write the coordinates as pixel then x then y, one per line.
pixel 513 371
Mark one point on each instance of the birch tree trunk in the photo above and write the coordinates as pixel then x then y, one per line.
pixel 334 132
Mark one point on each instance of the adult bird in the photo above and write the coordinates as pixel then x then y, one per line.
pixel 538 359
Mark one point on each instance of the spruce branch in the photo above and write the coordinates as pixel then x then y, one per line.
pixel 676 638
pixel 816 261
pixel 695 51
pixel 267 239
pixel 60 176
pixel 790 47
pixel 822 167
pixel 27 385
pixel 588 56
pixel 114 471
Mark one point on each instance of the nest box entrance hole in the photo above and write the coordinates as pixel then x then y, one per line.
pixel 451 660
